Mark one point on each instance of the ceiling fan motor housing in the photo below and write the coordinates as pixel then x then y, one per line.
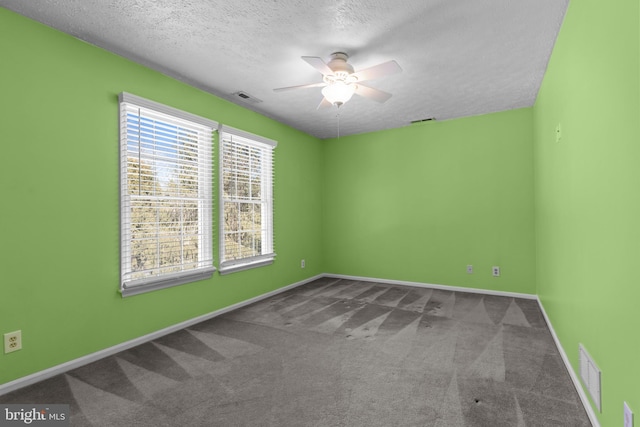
pixel 341 69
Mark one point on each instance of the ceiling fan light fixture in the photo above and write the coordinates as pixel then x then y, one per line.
pixel 340 82
pixel 338 92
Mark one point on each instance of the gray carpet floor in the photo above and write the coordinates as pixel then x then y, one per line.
pixel 334 353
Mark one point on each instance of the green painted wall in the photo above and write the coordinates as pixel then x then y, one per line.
pixel 417 203
pixel 59 223
pixel 587 207
pixel 422 202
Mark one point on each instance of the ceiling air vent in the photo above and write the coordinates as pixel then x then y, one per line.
pixel 430 119
pixel 245 97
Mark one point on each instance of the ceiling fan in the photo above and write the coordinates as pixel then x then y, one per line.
pixel 340 82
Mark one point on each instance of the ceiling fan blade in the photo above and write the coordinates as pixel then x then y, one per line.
pixel 282 89
pixel 371 93
pixel 318 64
pixel 377 71
pixel 324 104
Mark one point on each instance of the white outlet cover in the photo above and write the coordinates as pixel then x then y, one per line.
pixel 12 341
pixel 628 416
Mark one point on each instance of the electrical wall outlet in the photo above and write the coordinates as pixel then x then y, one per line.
pixel 628 416
pixel 302 264
pixel 12 341
pixel 495 270
pixel 469 269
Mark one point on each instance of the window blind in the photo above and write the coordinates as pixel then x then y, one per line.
pixel 166 196
pixel 246 205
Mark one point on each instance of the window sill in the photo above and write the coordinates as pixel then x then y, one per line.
pixel 136 287
pixel 233 268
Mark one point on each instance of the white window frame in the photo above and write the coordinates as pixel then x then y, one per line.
pixel 137 282
pixel 228 137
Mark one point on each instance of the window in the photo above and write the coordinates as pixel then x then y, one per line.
pixel 246 193
pixel 165 196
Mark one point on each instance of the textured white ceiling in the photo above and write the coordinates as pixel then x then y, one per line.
pixel 459 57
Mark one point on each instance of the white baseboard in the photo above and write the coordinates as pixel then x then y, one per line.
pixel 84 360
pixel 429 285
pixel 574 377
